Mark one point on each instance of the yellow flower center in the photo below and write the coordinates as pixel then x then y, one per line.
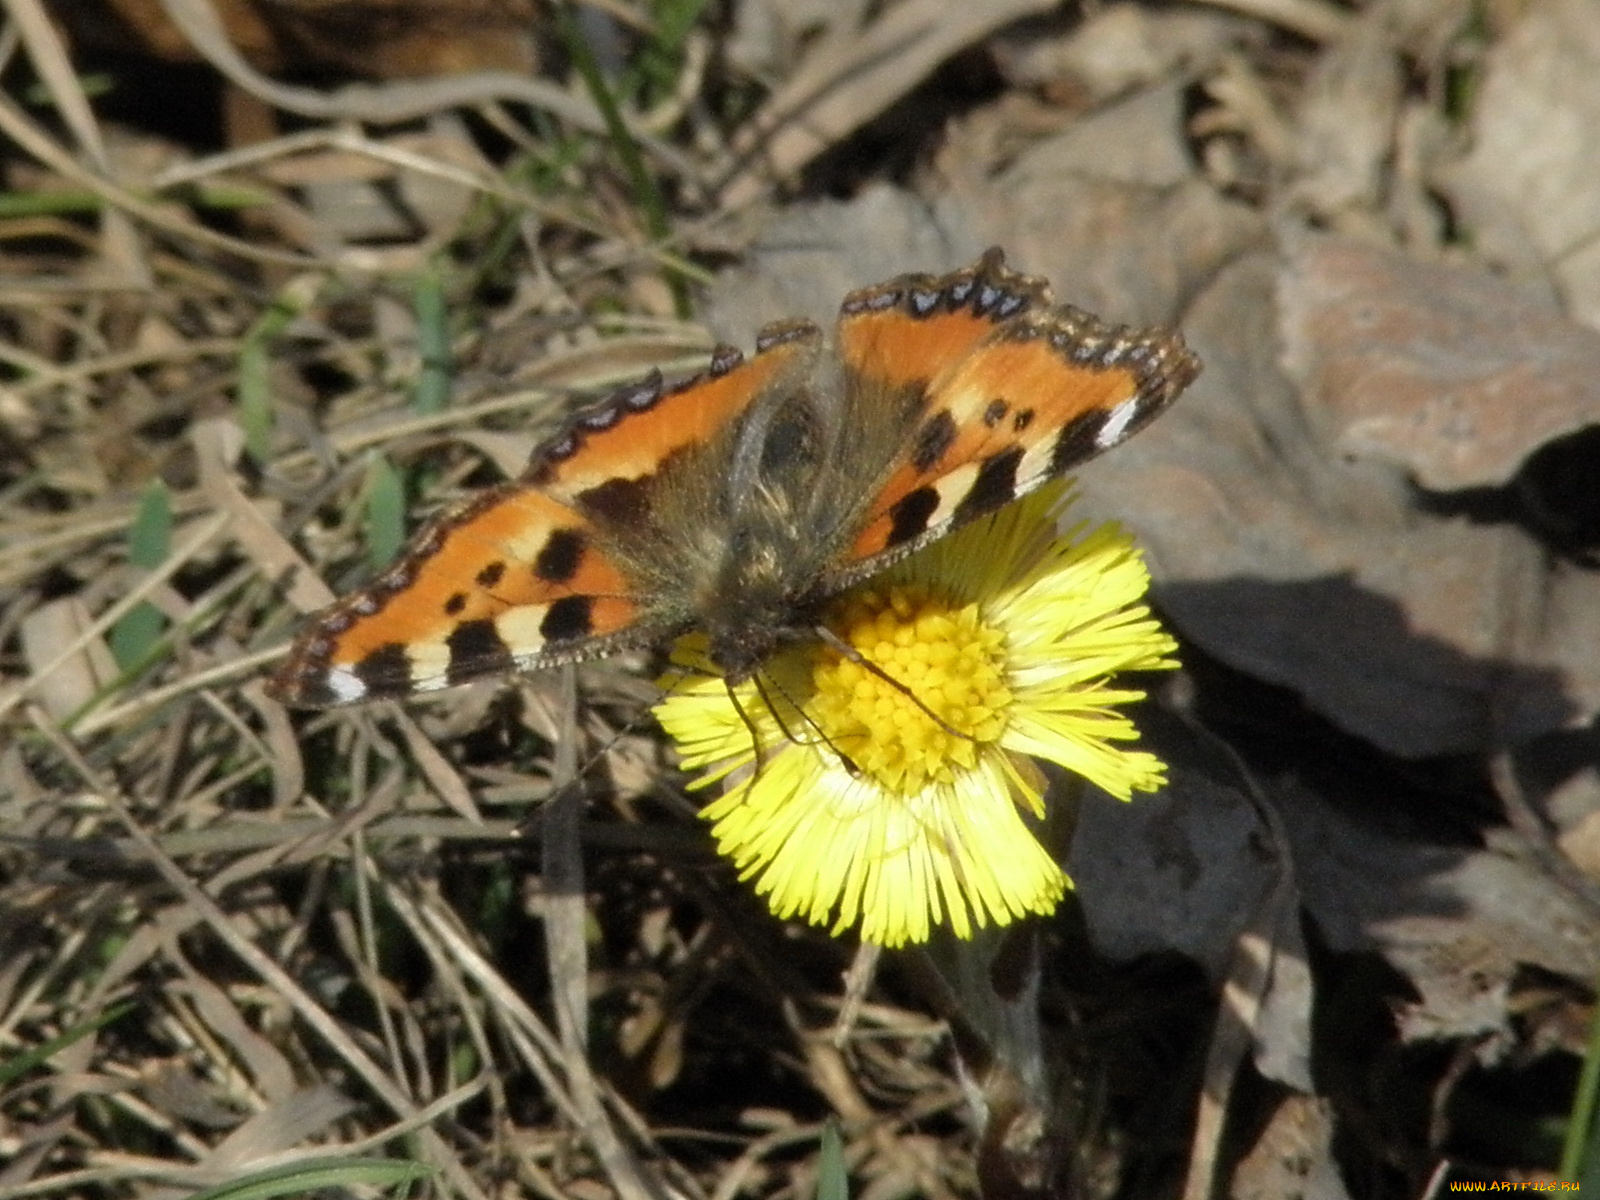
pixel 937 697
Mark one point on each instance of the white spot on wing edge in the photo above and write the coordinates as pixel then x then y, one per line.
pixel 345 685
pixel 1116 426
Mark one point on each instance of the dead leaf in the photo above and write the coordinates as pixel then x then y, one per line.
pixel 1347 122
pixel 1456 921
pixel 398 38
pixel 1120 49
pixel 64 685
pixel 1527 192
pixel 1292 1156
pixel 1445 371
pixel 852 75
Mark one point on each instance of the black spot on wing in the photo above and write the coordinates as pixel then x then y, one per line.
pixel 995 485
pixel 558 558
pixel 386 671
pixel 1076 441
pixel 617 502
pixel 476 648
pixel 910 515
pixel 933 440
pixel 491 574
pixel 568 618
pixel 995 412
pixel 457 602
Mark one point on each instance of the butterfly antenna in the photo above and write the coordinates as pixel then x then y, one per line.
pixel 777 715
pixel 833 640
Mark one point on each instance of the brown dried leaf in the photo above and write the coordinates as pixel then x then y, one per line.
pixel 1445 371
pixel 1203 868
pixel 64 685
pixel 1457 922
pixel 1292 1156
pixel 1528 191
pixel 1347 120
pixel 1184 869
pixel 852 75
pixel 1120 49
pixel 1129 250
pixel 398 38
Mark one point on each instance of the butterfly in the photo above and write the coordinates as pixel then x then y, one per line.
pixel 738 502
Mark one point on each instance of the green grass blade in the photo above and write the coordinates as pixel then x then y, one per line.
pixel 386 511
pixel 313 1175
pixel 654 72
pixel 1580 1150
pixel 134 637
pixel 13 1069
pixel 432 392
pixel 833 1181
pixel 150 540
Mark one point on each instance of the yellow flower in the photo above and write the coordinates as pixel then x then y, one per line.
pixel 896 785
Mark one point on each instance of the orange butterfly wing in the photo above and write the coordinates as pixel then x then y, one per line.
pixel 916 327
pixel 1021 391
pixel 973 387
pixel 519 577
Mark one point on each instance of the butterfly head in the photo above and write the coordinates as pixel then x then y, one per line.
pixel 747 626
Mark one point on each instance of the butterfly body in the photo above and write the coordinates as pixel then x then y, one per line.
pixel 739 501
